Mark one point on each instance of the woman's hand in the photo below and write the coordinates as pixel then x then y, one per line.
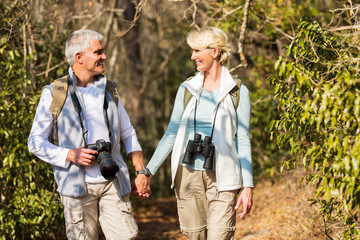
pixel 140 187
pixel 246 199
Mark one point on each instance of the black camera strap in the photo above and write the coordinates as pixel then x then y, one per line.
pixel 106 105
pixel 78 109
pixel 212 130
pixel 195 118
pixel 77 105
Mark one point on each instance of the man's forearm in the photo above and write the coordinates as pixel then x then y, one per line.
pixel 137 160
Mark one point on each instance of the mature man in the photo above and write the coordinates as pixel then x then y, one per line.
pixel 90 123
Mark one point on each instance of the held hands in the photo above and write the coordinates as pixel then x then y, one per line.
pixel 140 187
pixel 246 199
pixel 82 156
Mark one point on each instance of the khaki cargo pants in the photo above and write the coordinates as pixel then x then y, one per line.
pixel 204 213
pixel 100 204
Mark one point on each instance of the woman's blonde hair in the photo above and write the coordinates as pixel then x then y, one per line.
pixel 210 37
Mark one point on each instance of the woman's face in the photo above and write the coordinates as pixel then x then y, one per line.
pixel 204 59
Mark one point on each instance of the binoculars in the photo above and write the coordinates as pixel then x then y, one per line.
pixel 205 148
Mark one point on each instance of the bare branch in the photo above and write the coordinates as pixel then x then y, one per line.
pixel 242 37
pixel 53 39
pixel 94 18
pixel 109 23
pixel 227 13
pixel 237 67
pixel 24 43
pixel 284 33
pixel 50 69
pixel 357 27
pixel 193 10
pixel 194 14
pixel 137 15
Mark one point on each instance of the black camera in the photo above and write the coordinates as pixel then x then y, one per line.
pixel 205 148
pixel 108 166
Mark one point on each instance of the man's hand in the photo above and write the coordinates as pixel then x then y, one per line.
pixel 140 187
pixel 246 199
pixel 82 156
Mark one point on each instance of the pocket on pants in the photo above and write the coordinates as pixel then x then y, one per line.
pixel 129 221
pixel 74 221
pixel 192 214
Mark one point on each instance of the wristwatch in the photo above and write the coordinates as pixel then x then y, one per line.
pixel 144 171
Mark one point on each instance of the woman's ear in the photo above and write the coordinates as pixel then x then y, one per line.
pixel 216 52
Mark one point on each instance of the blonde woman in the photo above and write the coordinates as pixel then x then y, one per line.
pixel 210 143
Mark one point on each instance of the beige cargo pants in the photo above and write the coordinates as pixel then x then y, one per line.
pixel 101 204
pixel 204 213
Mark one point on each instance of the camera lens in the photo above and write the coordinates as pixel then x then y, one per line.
pixel 108 167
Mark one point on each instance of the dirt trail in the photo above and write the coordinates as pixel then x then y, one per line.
pixel 158 220
pixel 280 212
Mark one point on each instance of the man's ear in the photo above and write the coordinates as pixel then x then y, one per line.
pixel 79 57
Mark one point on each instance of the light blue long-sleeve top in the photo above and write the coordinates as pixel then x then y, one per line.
pixel 205 108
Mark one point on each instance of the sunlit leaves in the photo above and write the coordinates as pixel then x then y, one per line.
pixel 27 210
pixel 318 95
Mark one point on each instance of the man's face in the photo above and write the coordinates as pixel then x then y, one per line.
pixel 93 58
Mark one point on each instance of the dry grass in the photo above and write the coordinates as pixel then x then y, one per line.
pixel 282 211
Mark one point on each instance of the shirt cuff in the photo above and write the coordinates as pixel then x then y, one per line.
pixel 64 154
pixel 132 145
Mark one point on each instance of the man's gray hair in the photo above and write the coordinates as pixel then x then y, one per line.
pixel 79 41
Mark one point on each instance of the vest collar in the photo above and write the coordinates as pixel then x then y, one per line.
pixel 195 84
pixel 99 80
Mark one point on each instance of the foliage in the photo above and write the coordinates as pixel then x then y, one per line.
pixel 317 89
pixel 27 209
pixel 270 25
pixel 314 85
